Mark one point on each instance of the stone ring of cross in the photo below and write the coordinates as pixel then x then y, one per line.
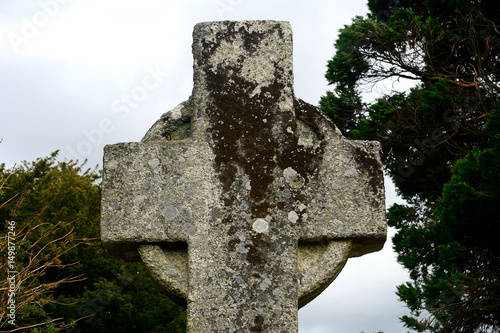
pixel 244 202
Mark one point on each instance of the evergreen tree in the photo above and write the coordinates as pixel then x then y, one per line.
pixel 56 209
pixel 436 146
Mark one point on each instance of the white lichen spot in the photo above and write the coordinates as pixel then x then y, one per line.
pixel 258 69
pixel 256 91
pixel 277 292
pixel 240 248
pixel 239 280
pixel 293 217
pixel 260 225
pixel 351 172
pixel 293 178
pixel 248 186
pixel 192 231
pixel 154 163
pixel 176 112
pixel 227 53
pixel 289 173
pixel 170 212
pixel 285 104
pixel 306 142
pixel 137 166
pixel 140 199
pixel 112 164
pixel 266 283
pixel 302 207
pixel 289 129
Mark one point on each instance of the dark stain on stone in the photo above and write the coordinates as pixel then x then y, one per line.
pixel 227 220
pixel 232 244
pixel 254 255
pixel 232 230
pixel 260 209
pixel 242 141
pixel 177 129
pixel 369 163
pixel 257 250
pixel 252 137
pixel 239 138
pixel 251 43
pixel 258 324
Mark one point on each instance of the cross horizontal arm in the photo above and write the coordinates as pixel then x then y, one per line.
pixel 354 205
pixel 155 193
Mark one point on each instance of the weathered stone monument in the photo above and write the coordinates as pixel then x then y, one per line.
pixel 244 202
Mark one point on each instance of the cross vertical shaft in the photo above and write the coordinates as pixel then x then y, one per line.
pixel 243 76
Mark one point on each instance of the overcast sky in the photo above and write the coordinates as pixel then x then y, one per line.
pixel 72 79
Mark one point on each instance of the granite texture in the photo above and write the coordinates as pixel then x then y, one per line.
pixel 244 202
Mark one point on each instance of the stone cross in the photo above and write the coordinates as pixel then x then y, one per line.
pixel 244 202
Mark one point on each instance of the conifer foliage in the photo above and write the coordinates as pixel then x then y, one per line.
pixel 66 281
pixel 440 144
